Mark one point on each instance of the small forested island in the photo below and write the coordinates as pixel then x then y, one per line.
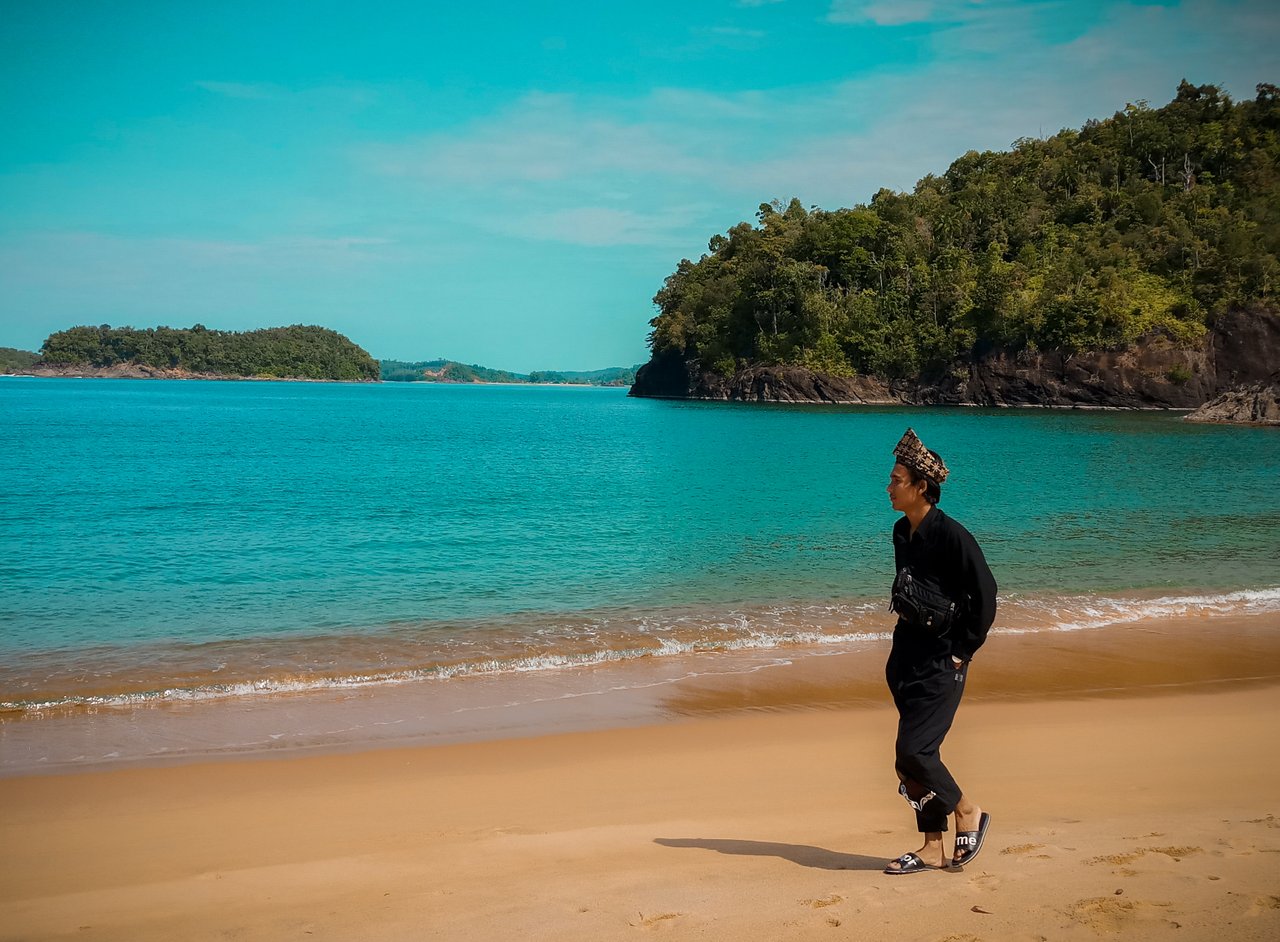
pixel 297 352
pixel 451 371
pixel 1130 263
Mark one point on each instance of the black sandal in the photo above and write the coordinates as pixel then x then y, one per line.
pixel 969 843
pixel 910 863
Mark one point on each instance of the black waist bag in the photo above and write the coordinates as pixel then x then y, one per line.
pixel 921 602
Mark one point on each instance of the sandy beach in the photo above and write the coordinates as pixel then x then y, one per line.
pixel 1129 797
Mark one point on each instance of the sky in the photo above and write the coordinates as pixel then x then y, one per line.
pixel 509 184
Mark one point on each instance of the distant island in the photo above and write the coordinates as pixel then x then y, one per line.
pixel 297 352
pixel 451 371
pixel 1130 263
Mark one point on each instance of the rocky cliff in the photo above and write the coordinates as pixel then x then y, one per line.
pixel 1242 347
pixel 1255 404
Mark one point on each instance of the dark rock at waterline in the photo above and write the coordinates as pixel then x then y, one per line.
pixel 1152 373
pixel 1256 404
pixel 669 376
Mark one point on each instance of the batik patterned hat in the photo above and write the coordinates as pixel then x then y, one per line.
pixel 911 452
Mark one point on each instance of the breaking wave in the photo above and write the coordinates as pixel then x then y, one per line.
pixel 435 653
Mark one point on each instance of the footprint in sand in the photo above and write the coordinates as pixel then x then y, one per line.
pixel 1114 913
pixel 822 903
pixel 986 881
pixel 1264 904
pixel 1119 860
pixel 1177 853
pixel 1025 851
pixel 654 922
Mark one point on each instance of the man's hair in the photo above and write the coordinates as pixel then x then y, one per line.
pixel 932 489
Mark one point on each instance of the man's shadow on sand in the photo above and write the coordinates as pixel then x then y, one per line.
pixel 803 854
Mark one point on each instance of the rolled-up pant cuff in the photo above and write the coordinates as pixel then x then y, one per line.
pixel 931 812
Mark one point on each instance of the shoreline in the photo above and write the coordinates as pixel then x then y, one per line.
pixel 1152 657
pixel 159 374
pixel 901 404
pixel 63 678
pixel 150 373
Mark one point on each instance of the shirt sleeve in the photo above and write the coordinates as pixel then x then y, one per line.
pixel 980 586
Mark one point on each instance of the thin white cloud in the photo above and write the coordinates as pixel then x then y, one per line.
pixel 97 256
pixel 735 32
pixel 599 226
pixel 880 13
pixel 343 96
pixel 891 13
pixel 946 14
pixel 252 91
pixel 541 139
pixel 749 106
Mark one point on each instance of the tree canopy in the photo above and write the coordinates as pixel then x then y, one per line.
pixel 297 351
pixel 1155 219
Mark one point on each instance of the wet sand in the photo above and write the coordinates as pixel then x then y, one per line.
pixel 1129 774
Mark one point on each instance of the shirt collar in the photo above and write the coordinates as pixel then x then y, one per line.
pixel 927 524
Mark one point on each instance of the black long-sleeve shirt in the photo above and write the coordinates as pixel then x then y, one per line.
pixel 942 550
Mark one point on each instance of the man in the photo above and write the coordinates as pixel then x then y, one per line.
pixel 945 597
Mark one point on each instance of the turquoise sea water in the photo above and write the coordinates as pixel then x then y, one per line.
pixel 168 539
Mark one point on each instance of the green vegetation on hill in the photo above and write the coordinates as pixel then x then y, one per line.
pixel 13 359
pixel 1153 219
pixel 450 371
pixel 444 371
pixel 297 351
pixel 613 376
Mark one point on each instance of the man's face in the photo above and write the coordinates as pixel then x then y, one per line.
pixel 902 493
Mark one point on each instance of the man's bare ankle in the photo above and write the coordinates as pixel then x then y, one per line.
pixel 967 819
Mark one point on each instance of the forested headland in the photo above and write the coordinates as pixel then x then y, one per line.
pixel 297 352
pixel 1153 223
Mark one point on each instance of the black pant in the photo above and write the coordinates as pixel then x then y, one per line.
pixel 926 690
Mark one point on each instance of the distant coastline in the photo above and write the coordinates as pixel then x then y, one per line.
pixel 143 371
pixel 455 372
